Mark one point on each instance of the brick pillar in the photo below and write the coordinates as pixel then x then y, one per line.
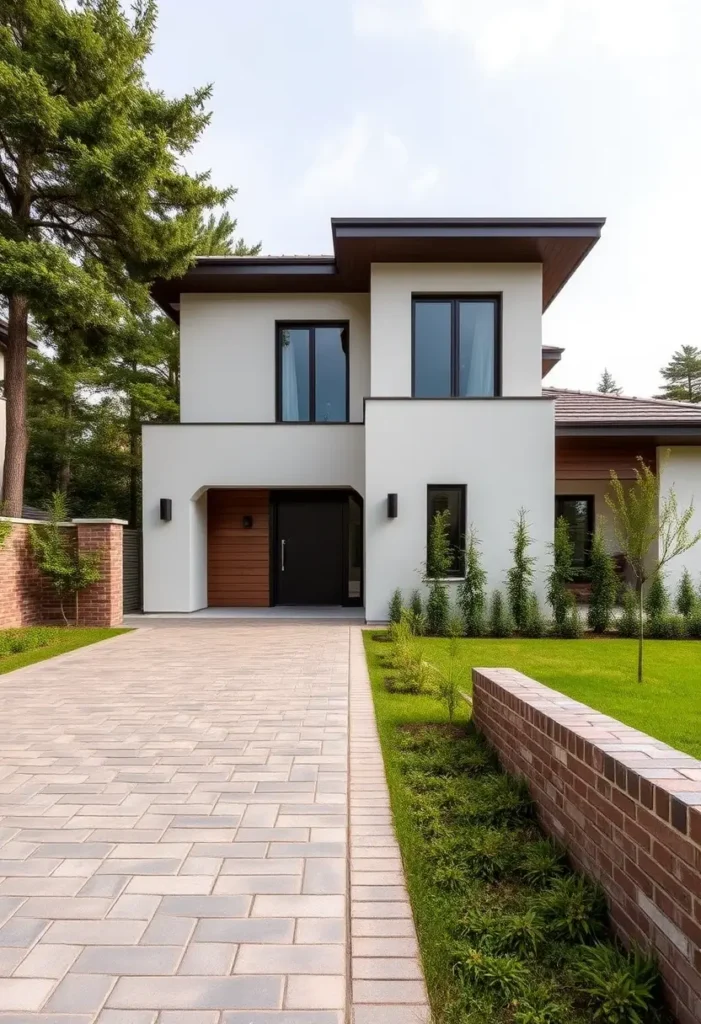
pixel 101 603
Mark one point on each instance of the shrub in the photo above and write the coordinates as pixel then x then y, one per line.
pixel 667 627
pixel 622 987
pixel 395 606
pixel 68 571
pixel 416 606
pixel 628 624
pixel 604 585
pixel 542 861
pixel 656 597
pixel 472 590
pixel 561 573
pixel 572 628
pixel 693 623
pixel 535 626
pixel 504 977
pixel 501 624
pixel 519 578
pixel 573 909
pixel 438 562
pixel 686 599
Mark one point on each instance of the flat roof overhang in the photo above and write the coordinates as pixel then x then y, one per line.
pixel 559 244
pixel 660 433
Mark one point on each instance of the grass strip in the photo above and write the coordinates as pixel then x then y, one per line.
pixel 30 644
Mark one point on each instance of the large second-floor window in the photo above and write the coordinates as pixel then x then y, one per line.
pixel 455 347
pixel 312 372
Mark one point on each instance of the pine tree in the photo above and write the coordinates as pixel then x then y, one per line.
pixel 92 190
pixel 687 599
pixel 607 385
pixel 604 584
pixel 519 578
pixel 682 375
pixel 472 590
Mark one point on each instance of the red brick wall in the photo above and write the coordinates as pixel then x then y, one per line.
pixel 627 807
pixel 27 598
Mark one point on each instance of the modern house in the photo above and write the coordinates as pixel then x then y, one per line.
pixel 331 404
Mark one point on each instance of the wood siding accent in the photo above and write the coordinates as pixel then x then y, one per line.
pixel 238 559
pixel 590 459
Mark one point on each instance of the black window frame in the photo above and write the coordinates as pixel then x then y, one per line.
pixel 458 571
pixel 311 326
pixel 496 299
pixel 591 519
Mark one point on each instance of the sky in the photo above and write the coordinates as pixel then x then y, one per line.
pixel 425 108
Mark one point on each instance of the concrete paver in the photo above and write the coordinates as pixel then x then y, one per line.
pixel 174 834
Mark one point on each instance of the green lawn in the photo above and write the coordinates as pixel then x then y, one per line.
pixel 467 838
pixel 601 673
pixel 25 646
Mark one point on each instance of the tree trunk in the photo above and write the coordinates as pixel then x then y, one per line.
pixel 16 405
pixel 641 624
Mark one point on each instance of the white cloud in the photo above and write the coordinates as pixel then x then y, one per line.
pixel 365 163
pixel 505 33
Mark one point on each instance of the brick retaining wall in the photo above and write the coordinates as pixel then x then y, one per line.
pixel 27 598
pixel 627 807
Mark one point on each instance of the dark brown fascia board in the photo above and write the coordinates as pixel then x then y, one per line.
pixel 623 430
pixel 467 227
pixel 552 351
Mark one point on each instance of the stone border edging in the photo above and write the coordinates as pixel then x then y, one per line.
pixel 386 984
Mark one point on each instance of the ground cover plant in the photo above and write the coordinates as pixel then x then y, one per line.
pixel 29 644
pixel 508 933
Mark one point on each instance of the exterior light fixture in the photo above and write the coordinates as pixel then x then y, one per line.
pixel 166 509
pixel 247 522
pixel 392 506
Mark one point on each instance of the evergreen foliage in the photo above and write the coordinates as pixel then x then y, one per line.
pixel 395 606
pixel 628 623
pixel 535 626
pixel 519 578
pixel 607 385
pixel 687 598
pixel 561 573
pixel 656 597
pixel 604 584
pixel 472 590
pixel 438 562
pixel 682 375
pixel 501 624
pixel 93 195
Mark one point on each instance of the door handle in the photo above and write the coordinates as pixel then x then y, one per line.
pixel 282 555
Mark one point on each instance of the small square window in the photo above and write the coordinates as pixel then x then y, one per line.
pixel 449 498
pixel 578 510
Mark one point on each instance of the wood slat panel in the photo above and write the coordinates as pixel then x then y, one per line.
pixel 593 460
pixel 238 560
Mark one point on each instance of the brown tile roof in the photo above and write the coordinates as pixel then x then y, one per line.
pixel 583 408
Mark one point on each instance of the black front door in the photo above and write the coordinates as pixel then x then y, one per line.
pixel 309 552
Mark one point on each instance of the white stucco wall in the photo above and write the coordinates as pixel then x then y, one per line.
pixel 180 462
pixel 680 470
pixel 503 450
pixel 227 352
pixel 392 285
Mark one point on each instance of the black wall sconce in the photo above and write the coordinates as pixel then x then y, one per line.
pixel 392 506
pixel 247 522
pixel 166 509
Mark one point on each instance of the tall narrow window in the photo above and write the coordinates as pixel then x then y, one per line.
pixel 449 498
pixel 312 374
pixel 579 513
pixel 455 347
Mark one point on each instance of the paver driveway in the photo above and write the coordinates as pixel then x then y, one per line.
pixel 173 829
